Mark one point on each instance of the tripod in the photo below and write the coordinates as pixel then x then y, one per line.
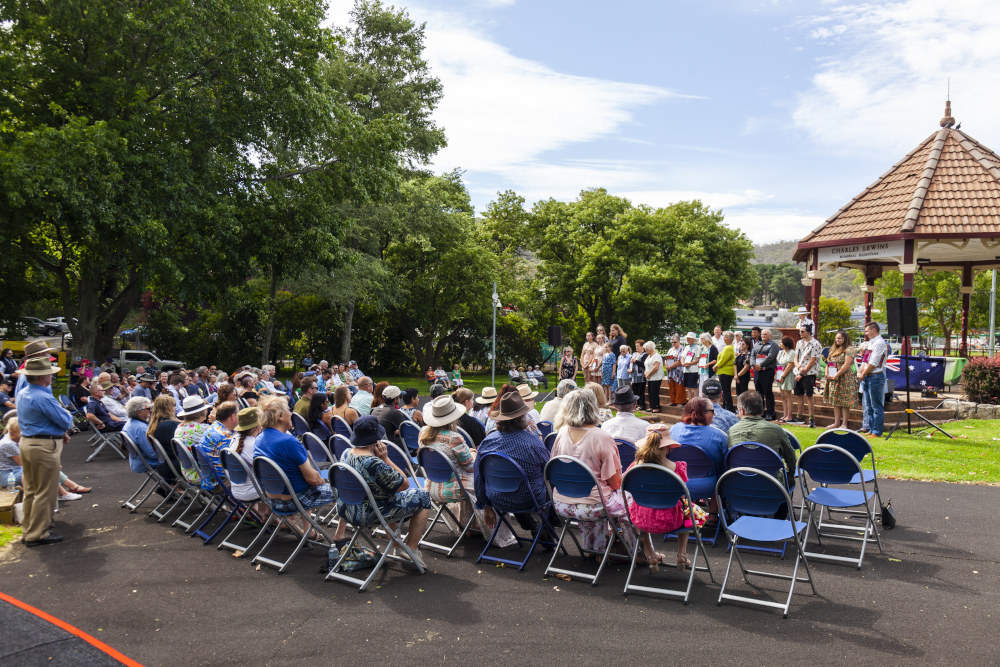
pixel 909 412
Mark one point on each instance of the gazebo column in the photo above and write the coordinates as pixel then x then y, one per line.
pixel 908 268
pixel 872 273
pixel 966 291
pixel 807 288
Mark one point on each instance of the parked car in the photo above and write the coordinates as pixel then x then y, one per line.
pixel 131 359
pixel 35 326
pixel 55 326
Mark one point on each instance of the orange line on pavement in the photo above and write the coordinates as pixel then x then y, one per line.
pixel 96 643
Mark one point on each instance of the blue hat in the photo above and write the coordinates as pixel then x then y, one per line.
pixel 367 431
pixel 308 374
pixel 353 363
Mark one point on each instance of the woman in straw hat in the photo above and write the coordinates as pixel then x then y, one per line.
pixel 192 429
pixel 244 438
pixel 441 432
pixel 484 404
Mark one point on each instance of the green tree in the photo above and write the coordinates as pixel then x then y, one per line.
pixel 834 315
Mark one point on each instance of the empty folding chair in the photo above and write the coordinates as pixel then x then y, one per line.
pixel 570 477
pixel 860 448
pixel 341 427
pixel 299 425
pixel 103 439
pixel 409 432
pixel 832 465
pixel 239 473
pixel 438 467
pixel 545 427
pixel 273 480
pixel 177 493
pixel 151 480
pixel 755 496
pixel 352 490
pixel 702 477
pixel 657 487
pixel 504 475
pixel 760 457
pixel 626 451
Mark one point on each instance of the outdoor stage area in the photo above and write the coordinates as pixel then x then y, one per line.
pixel 163 598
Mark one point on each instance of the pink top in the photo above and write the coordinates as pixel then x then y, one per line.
pixel 661 520
pixel 598 451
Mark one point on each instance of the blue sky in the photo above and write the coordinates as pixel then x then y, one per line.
pixel 777 112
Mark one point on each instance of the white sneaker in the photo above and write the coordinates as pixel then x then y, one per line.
pixel 416 560
pixel 71 496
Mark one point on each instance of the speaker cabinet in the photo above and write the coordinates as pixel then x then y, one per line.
pixel 902 316
pixel 555 336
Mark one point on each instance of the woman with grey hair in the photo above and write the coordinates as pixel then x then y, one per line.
pixel 654 375
pixel 581 438
pixel 551 408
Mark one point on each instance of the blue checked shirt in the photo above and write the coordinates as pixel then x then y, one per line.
pixel 527 451
pixel 39 413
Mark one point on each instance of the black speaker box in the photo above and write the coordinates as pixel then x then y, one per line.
pixel 555 336
pixel 902 316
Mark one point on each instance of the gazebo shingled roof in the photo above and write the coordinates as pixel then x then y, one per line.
pixel 936 209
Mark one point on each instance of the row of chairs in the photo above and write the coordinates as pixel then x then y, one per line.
pixel 98 439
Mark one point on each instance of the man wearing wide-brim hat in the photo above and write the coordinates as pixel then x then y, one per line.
pixel 483 403
pixel 528 394
pixel 44 424
pixel 33 350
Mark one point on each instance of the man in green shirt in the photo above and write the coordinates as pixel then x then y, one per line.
pixel 752 427
pixel 308 386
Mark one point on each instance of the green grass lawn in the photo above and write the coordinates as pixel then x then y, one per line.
pixel 972 457
pixel 473 381
pixel 8 534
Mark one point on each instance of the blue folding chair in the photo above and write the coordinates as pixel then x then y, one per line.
pixel 320 454
pixel 832 465
pixel 626 451
pixel 860 448
pixel 186 459
pixel 438 467
pixel 403 462
pixel 221 498
pixel 657 487
pixel 549 440
pixel 409 431
pixel 273 480
pixel 504 475
pixel 289 388
pixel 702 477
pixel 239 472
pixel 338 444
pixel 570 477
pixel 465 436
pixel 545 427
pixel 352 490
pixel 341 427
pixel 153 479
pixel 760 457
pixel 755 496
pixel 299 425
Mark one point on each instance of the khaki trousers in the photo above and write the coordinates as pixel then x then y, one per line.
pixel 40 478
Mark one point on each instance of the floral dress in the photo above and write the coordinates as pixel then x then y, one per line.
pixel 842 392
pixel 608 369
pixel 454 446
pixel 383 480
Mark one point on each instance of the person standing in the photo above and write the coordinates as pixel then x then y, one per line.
pixel 587 356
pixel 765 364
pixel 618 339
pixel 44 425
pixel 725 369
pixel 654 375
pixel 807 355
pixel 742 365
pixel 690 356
pixel 639 373
pixel 569 365
pixel 841 383
pixel 675 371
pixel 871 376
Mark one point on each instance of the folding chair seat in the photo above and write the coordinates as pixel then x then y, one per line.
pixel 760 457
pixel 341 427
pixel 755 496
pixel 438 467
pixel 832 465
pixel 299 425
pixel 505 476
pixel 657 487
pixel 409 432
pixel 239 473
pixel 545 427
pixel 860 448
pixel 626 451
pixel 178 492
pixel 352 490
pixel 572 478
pixel 702 477
pixel 273 480
pixel 151 480
pixel 200 496
pixel 548 440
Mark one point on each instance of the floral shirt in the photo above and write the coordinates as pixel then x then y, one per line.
pixel 382 479
pixel 190 435
pixel 216 439
pixel 453 445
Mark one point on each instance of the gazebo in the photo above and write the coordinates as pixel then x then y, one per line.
pixel 937 209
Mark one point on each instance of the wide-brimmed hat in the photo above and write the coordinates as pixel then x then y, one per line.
pixel 391 392
pixel 691 334
pixel 443 410
pixel 802 311
pixel 664 431
pixel 624 396
pixel 106 385
pixel 147 377
pixel 37 347
pixel 367 431
pixel 248 419
pixel 192 405
pixel 526 392
pixel 39 367
pixel 512 406
pixel 489 395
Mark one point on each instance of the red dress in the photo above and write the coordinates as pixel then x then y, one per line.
pixel 665 520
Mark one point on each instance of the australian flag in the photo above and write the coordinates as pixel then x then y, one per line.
pixel 924 371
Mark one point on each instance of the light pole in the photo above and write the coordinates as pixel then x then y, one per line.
pixel 493 354
pixel 993 314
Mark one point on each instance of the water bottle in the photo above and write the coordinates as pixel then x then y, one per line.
pixel 9 482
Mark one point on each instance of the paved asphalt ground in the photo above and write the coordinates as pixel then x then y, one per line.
pixel 162 598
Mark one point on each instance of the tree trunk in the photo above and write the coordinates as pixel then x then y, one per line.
pixel 345 336
pixel 100 306
pixel 269 322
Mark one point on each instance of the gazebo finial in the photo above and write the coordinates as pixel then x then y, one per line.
pixel 948 120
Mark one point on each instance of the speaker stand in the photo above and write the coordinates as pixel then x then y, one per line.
pixel 909 412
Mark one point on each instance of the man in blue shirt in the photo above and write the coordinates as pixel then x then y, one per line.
pixel 98 415
pixel 43 432
pixel 362 401
pixel 354 372
pixel 143 390
pixel 722 418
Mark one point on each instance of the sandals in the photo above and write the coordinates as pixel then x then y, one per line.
pixel 683 562
pixel 654 561
pixel 79 489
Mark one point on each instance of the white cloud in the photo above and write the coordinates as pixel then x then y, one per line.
pixel 883 90
pixel 713 200
pixel 769 225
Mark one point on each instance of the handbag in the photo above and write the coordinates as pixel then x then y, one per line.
pixel 888 515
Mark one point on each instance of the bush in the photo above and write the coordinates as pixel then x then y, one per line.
pixel 981 379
